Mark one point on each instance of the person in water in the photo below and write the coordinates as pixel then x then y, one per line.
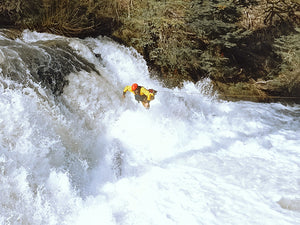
pixel 141 94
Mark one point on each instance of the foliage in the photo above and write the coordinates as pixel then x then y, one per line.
pixel 282 10
pixel 157 30
pixel 77 18
pixel 236 50
pixel 18 11
pixel 215 23
pixel 289 79
pixel 65 17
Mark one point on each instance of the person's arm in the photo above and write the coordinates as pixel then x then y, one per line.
pixel 127 88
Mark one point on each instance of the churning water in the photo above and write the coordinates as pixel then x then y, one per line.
pixel 72 151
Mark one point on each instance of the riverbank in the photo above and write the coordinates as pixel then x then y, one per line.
pixel 248 49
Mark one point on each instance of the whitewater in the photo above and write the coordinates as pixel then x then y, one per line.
pixel 73 151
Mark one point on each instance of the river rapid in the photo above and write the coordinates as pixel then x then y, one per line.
pixel 72 151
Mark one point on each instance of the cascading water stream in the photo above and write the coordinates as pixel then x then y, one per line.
pixel 72 151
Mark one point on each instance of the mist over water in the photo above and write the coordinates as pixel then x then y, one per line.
pixel 72 151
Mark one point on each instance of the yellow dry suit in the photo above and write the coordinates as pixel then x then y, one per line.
pixel 141 93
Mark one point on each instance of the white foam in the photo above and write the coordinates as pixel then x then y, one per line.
pixel 33 36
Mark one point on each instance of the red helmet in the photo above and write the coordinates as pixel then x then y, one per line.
pixel 134 86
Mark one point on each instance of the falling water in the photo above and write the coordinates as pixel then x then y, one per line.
pixel 72 151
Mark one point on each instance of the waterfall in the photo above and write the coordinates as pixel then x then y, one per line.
pixel 73 151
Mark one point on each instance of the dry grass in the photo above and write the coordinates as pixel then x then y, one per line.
pixel 67 18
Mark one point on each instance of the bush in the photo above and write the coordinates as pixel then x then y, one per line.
pixel 288 82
